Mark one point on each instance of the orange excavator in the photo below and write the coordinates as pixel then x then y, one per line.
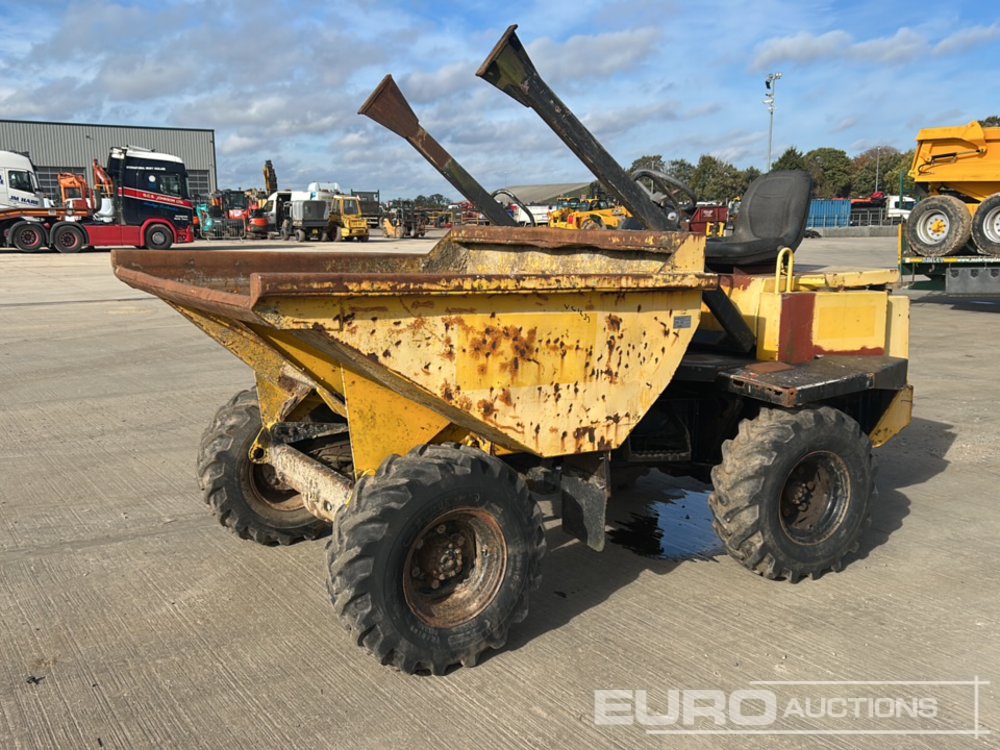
pixel 76 193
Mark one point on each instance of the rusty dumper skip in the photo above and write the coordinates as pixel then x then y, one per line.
pixel 404 399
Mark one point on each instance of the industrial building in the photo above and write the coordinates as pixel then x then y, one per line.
pixel 56 147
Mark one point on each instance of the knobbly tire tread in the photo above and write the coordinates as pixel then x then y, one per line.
pixel 958 214
pixel 232 423
pixel 360 527
pixel 739 494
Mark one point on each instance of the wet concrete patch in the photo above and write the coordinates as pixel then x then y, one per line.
pixel 658 519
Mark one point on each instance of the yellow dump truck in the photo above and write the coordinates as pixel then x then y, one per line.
pixel 403 401
pixel 959 167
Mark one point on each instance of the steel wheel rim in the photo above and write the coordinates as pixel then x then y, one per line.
pixel 934 227
pixel 271 491
pixel 814 498
pixel 68 241
pixel 464 552
pixel 34 235
pixel 991 225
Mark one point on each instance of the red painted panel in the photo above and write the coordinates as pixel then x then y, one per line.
pixel 795 341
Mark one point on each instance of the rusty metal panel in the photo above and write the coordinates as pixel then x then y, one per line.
pixel 553 373
pixel 828 377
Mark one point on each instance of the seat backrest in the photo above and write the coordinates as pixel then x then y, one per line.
pixel 776 205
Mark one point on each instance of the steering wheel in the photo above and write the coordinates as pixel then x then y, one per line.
pixel 669 193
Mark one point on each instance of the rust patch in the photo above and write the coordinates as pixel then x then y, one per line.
pixel 795 341
pixel 493 339
pixel 877 351
pixel 505 397
pixel 585 432
pixel 487 408
pixel 614 323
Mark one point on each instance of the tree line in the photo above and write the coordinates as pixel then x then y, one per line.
pixel 834 173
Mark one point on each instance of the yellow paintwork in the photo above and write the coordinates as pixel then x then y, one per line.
pixel 965 159
pixel 565 372
pixel 383 423
pixel 852 312
pixel 895 418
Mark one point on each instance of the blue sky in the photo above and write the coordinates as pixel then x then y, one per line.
pixel 283 80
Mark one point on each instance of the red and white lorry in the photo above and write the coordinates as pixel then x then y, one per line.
pixel 140 199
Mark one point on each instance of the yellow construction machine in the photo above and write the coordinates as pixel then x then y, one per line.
pixel 959 167
pixel 406 400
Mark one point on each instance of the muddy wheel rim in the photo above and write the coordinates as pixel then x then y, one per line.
pixel 814 498
pixel 271 491
pixel 454 567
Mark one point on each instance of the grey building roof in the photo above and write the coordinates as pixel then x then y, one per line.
pixel 545 194
pixel 66 144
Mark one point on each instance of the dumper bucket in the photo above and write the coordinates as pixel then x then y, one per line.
pixel 527 339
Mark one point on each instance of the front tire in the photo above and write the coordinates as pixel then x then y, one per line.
pixel 159 237
pixel 432 560
pixel 792 492
pixel 939 225
pixel 248 498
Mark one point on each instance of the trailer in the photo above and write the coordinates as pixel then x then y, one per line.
pixel 955 275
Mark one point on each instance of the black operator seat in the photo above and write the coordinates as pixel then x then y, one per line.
pixel 772 215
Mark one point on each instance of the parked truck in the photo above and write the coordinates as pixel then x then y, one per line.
pixel 953 234
pixel 145 204
pixel 405 401
pixel 959 168
pixel 371 206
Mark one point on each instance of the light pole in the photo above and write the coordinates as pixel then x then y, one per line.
pixel 770 83
pixel 878 153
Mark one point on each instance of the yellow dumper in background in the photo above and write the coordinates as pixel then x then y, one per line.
pixel 960 169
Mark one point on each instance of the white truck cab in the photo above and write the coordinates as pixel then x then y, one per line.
pixel 18 183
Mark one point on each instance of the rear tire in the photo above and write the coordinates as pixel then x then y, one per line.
pixel 247 498
pixel 432 560
pixel 300 235
pixel 939 225
pixel 338 235
pixel 159 237
pixel 986 226
pixel 68 238
pixel 28 237
pixel 792 492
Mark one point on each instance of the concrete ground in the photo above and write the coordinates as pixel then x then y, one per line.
pixel 130 619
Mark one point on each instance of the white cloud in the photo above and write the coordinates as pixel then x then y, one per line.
pixel 962 40
pixel 802 47
pixel 235 143
pixel 904 46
